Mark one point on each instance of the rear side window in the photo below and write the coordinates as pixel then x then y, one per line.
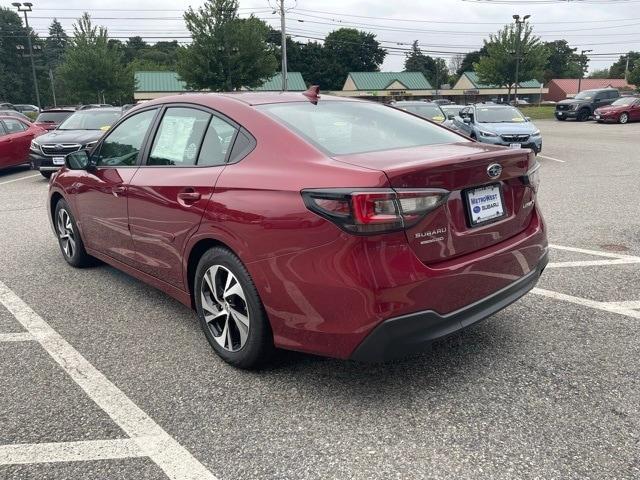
pixel 14 126
pixel 217 142
pixel 342 128
pixel 179 137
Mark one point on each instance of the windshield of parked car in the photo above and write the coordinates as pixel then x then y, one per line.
pixel 625 101
pixel 430 111
pixel 90 120
pixel 52 117
pixel 342 128
pixel 586 95
pixel 451 109
pixel 498 115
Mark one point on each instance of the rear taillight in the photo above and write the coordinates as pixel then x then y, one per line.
pixel 532 177
pixel 372 211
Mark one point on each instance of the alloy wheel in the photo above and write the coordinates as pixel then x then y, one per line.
pixel 225 308
pixel 65 233
pixel 624 118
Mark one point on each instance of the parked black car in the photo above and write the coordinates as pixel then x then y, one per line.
pixel 81 130
pixel 582 106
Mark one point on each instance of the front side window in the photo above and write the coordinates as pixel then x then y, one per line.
pixel 122 146
pixel 179 137
pixel 14 126
pixel 349 127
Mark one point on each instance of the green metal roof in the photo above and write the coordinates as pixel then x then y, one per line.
pixel 381 80
pixel 159 82
pixel 295 83
pixel 473 78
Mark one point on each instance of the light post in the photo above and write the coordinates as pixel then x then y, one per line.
pixel 582 52
pixel 519 24
pixel 24 8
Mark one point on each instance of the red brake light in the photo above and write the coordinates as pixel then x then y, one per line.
pixel 376 210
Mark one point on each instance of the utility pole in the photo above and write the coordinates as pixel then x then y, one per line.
pixel 283 28
pixel 24 8
pixel 626 70
pixel 582 52
pixel 519 24
pixel 53 87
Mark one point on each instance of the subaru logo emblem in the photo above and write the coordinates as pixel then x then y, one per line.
pixel 58 146
pixel 494 170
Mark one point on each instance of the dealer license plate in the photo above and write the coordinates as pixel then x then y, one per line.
pixel 515 145
pixel 485 204
pixel 58 160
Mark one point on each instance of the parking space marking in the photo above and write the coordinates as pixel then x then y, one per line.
pixel 597 253
pixel 593 263
pixel 16 337
pixel 632 304
pixel 69 451
pixel 18 179
pixel 152 440
pixel 611 307
pixel 551 158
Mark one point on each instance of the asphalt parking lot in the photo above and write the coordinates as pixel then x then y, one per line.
pixel 103 377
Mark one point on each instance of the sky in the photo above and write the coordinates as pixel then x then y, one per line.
pixel 443 28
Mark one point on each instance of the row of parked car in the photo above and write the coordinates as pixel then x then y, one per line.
pixel 55 132
pixel 603 105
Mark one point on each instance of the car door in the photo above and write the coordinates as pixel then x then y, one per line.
pixel 634 111
pixel 17 140
pixel 101 196
pixel 461 124
pixel 170 192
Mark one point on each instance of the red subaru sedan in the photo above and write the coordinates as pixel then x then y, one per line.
pixel 326 225
pixel 15 138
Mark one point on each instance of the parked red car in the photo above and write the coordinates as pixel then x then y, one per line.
pixel 52 118
pixel 623 110
pixel 326 225
pixel 15 137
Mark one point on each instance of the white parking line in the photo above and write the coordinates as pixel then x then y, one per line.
pixel 597 253
pixel 69 451
pixel 592 263
pixel 551 158
pixel 18 179
pixel 632 304
pixel 585 302
pixel 149 437
pixel 16 337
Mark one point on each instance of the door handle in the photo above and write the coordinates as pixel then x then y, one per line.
pixel 188 196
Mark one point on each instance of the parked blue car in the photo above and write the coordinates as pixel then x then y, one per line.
pixel 499 125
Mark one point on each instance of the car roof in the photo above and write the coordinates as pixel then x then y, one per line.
pixel 415 102
pixel 100 109
pixel 58 110
pixel 13 117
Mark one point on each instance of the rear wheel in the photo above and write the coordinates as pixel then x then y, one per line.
pixel 583 115
pixel 624 118
pixel 69 239
pixel 46 175
pixel 230 311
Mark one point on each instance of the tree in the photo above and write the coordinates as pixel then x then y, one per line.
pixel 134 48
pixel 93 68
pixel 499 66
pixel 350 50
pixel 466 65
pixel 55 45
pixel 435 69
pixel 227 52
pixel 634 75
pixel 16 84
pixel 563 61
pixel 602 73
pixel 617 70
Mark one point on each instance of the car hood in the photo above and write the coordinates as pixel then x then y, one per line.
pixel 570 101
pixel 524 128
pixel 70 136
pixel 610 108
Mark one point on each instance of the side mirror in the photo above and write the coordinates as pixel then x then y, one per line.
pixel 451 116
pixel 466 120
pixel 527 119
pixel 77 160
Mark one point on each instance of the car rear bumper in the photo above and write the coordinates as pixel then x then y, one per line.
pixel 409 334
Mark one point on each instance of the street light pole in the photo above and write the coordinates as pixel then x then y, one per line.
pixel 582 52
pixel 24 8
pixel 519 24
pixel 283 30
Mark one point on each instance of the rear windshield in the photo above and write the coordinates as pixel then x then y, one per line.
pixel 498 115
pixel 90 120
pixel 425 111
pixel 343 128
pixel 53 117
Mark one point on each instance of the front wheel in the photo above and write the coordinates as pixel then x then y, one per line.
pixel 69 239
pixel 46 175
pixel 583 115
pixel 624 118
pixel 230 311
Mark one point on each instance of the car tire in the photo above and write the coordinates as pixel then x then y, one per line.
pixel 562 119
pixel 230 311
pixel 583 115
pixel 69 239
pixel 46 175
pixel 624 118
